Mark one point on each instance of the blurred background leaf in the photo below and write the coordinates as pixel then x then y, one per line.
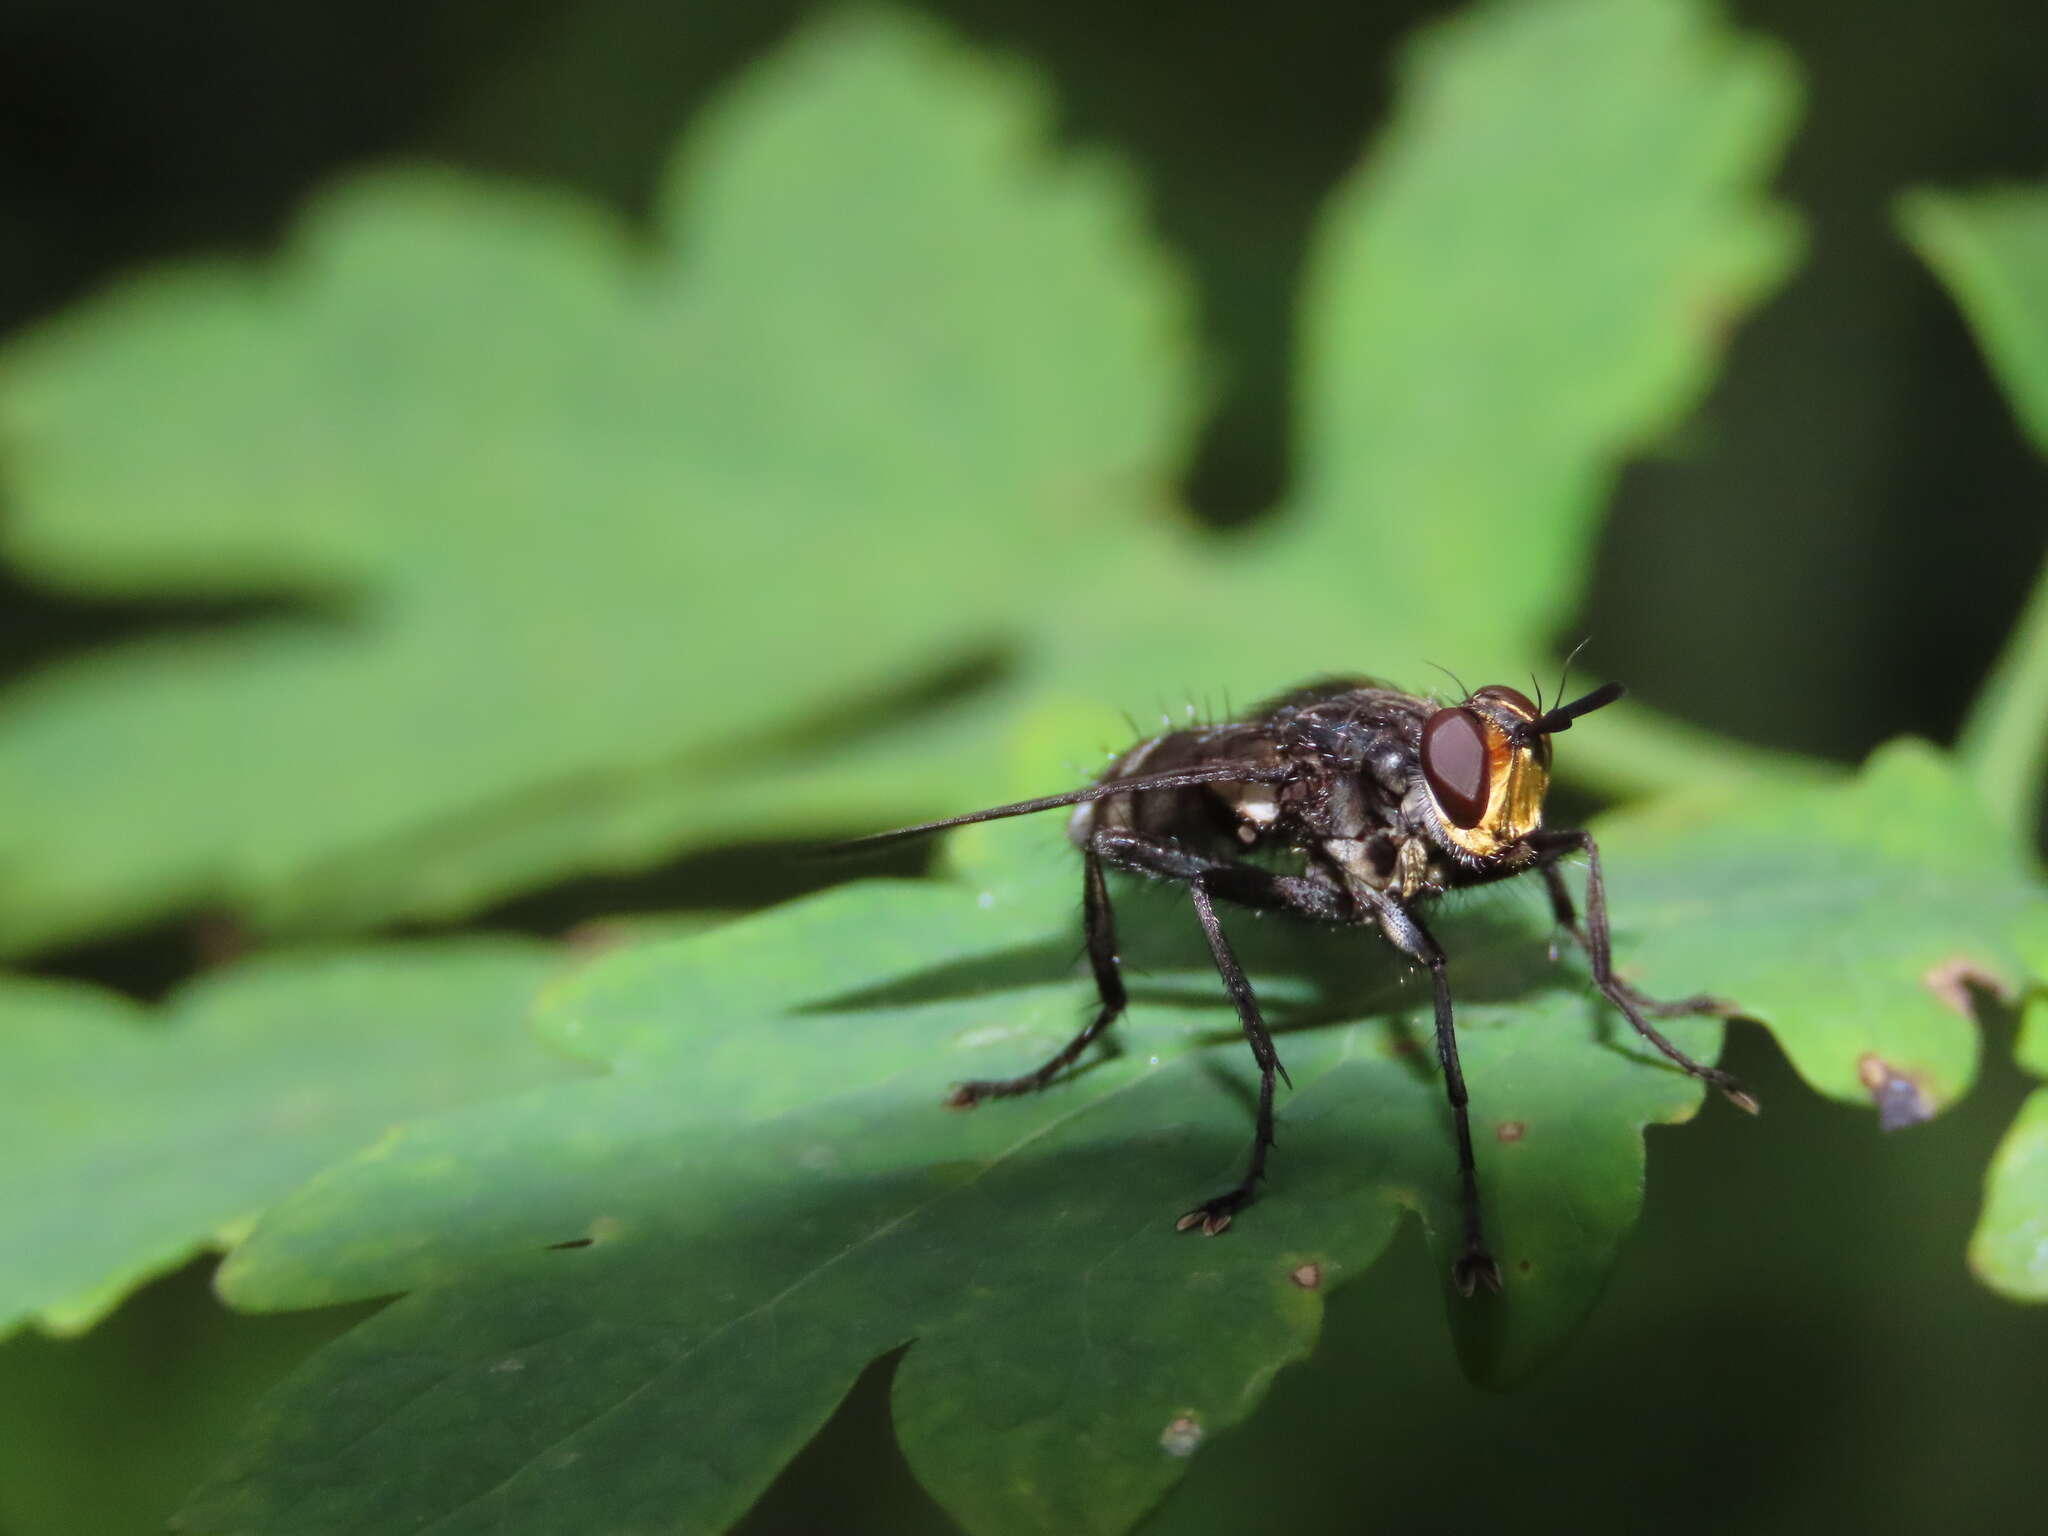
pixel 2009 1249
pixel 591 525
pixel 1830 554
pixel 104 1432
pixel 1991 248
pixel 592 529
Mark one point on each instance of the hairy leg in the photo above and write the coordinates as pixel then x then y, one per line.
pixel 1098 921
pixel 1595 939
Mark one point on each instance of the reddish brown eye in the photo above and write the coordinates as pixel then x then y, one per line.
pixel 1454 763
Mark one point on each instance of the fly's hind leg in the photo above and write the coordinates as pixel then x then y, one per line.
pixel 1098 922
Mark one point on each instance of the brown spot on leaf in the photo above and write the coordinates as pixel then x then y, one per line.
pixel 1523 1266
pixel 1308 1276
pixel 1182 1435
pixel 595 937
pixel 1511 1130
pixel 1900 1100
pixel 220 938
pixel 1956 978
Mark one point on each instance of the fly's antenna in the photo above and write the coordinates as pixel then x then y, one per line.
pixel 1447 672
pixel 1539 692
pixel 1550 722
pixel 1564 672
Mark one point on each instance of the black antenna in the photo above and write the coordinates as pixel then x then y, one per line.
pixel 1447 672
pixel 1564 672
pixel 1561 718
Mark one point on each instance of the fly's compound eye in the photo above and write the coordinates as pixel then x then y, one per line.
pixel 1456 764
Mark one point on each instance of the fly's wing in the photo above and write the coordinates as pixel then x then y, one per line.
pixel 1171 778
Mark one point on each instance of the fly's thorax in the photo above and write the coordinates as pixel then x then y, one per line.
pixel 1483 778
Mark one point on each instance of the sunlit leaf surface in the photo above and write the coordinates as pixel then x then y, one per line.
pixel 767 1193
pixel 768 526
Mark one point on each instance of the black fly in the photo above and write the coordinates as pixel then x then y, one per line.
pixel 1379 801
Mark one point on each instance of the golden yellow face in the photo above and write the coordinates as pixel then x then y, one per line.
pixel 1487 789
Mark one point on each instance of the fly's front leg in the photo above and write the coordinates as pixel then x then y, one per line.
pixel 1567 917
pixel 1098 921
pixel 1475 1266
pixel 1597 943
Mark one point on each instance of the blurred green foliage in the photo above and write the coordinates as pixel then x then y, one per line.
pixel 510 552
pixel 889 374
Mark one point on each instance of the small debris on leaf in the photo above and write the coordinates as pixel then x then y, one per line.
pixel 1180 1437
pixel 1511 1130
pixel 1898 1098
pixel 1308 1276
pixel 1955 979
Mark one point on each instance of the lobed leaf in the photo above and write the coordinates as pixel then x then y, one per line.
pixel 609 552
pixel 1991 249
pixel 134 1138
pixel 2009 1249
pixel 589 524
pixel 1853 919
pixel 700 1252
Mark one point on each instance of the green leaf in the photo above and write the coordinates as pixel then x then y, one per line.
pixel 1849 918
pixel 1512 296
pixel 586 520
pixel 1991 249
pixel 2009 1249
pixel 769 1194
pixel 891 392
pixel 1505 300
pixel 133 1139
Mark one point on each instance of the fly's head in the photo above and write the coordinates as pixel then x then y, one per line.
pixel 1486 763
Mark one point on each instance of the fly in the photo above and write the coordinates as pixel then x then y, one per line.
pixel 1377 802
